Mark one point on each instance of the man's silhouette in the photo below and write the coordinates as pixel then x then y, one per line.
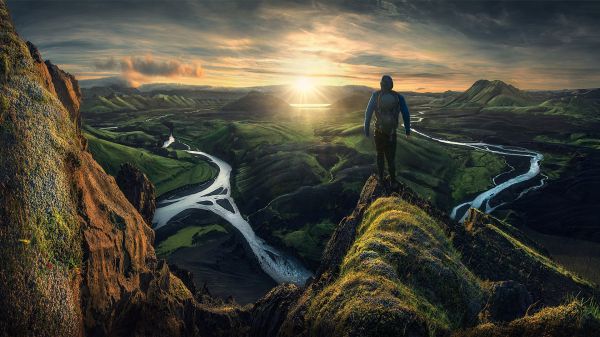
pixel 387 105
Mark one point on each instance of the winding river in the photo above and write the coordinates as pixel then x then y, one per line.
pixel 483 201
pixel 281 267
pixel 217 199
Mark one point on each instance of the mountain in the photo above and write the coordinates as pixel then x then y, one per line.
pixel 256 101
pixel 113 81
pixel 138 189
pixel 112 99
pixel 493 94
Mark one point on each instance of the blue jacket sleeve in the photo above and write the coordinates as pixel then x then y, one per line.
pixel 369 113
pixel 405 114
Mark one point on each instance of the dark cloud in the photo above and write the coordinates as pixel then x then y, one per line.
pixel 429 41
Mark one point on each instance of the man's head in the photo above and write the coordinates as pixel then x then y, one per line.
pixel 386 83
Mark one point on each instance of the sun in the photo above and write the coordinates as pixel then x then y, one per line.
pixel 304 85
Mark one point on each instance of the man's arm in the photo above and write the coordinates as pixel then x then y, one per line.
pixel 405 114
pixel 369 113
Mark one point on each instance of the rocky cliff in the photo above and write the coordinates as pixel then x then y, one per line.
pixel 77 257
pixel 138 190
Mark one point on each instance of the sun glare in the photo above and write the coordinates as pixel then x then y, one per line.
pixel 304 85
pixel 304 92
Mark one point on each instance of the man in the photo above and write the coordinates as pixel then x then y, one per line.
pixel 387 105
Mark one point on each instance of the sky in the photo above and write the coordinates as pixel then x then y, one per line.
pixel 424 45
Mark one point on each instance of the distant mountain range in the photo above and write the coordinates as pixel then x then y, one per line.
pixel 256 101
pixel 483 94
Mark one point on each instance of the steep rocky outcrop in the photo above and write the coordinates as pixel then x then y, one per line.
pixel 138 190
pixel 270 312
pixel 67 90
pixel 76 256
pixel 41 67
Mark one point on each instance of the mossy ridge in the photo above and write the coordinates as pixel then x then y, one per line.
pixel 522 243
pixel 576 318
pixel 544 260
pixel 403 267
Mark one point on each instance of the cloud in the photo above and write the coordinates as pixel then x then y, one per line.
pixel 148 66
pixel 138 69
pixel 432 44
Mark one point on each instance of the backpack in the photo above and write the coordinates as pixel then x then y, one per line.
pixel 386 121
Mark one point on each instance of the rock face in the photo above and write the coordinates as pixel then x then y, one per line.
pixel 270 312
pixel 496 251
pixel 67 90
pixel 77 257
pixel 138 190
pixel 41 67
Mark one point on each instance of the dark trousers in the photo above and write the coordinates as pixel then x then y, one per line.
pixel 386 147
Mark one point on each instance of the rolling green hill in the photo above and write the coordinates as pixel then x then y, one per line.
pixel 115 102
pixel 166 173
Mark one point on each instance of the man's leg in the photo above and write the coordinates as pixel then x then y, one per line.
pixel 380 148
pixel 390 155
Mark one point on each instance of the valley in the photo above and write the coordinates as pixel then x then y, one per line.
pixel 288 162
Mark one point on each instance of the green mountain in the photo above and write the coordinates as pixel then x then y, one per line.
pixel 484 93
pixel 97 100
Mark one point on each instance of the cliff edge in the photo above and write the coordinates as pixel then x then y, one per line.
pixel 77 257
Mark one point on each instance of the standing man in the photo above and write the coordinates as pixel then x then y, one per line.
pixel 387 105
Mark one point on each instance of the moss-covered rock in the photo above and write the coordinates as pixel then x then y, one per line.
pixel 575 319
pixel 399 276
pixel 497 251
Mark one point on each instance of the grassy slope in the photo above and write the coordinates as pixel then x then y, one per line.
pixel 185 237
pixel 166 173
pixel 308 241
